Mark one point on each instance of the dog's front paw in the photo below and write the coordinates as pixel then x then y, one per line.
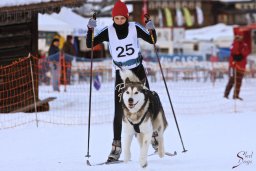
pixel 161 153
pixel 127 157
pixel 143 163
pixel 126 160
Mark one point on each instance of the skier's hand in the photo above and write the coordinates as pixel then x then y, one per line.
pixel 92 23
pixel 150 25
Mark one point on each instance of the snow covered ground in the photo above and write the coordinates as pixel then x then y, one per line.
pixel 213 139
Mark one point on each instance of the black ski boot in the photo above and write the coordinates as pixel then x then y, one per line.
pixel 115 151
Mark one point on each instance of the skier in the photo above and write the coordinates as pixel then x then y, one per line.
pixel 125 51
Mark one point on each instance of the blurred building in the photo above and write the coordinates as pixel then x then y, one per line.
pixel 19 25
pixel 195 13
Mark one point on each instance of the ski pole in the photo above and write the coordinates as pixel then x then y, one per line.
pixel 90 93
pixel 154 43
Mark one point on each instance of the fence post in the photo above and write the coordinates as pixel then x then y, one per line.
pixel 33 86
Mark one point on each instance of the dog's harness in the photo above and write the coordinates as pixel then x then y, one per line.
pixel 137 126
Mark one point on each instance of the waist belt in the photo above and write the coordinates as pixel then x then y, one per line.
pixel 129 62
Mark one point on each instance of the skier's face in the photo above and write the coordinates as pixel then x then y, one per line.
pixel 119 20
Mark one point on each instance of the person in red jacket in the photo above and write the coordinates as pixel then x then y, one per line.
pixel 237 64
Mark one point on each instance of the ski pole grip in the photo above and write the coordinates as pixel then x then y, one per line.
pixel 94 17
pixel 147 16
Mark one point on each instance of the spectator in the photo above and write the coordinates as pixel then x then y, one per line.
pixel 54 47
pixel 68 49
pixel 43 67
pixel 54 64
pixel 237 64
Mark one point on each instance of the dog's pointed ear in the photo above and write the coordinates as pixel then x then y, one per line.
pixel 144 81
pixel 127 80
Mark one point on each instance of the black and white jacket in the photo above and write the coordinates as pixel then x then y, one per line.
pixel 122 32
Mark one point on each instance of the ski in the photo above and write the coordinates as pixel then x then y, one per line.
pixel 171 154
pixel 166 153
pixel 104 163
pixel 121 161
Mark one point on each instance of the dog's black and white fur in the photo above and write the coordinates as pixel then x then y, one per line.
pixel 143 115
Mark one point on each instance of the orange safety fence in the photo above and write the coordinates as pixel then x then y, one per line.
pixel 15 85
pixel 195 87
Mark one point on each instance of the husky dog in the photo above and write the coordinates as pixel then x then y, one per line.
pixel 143 117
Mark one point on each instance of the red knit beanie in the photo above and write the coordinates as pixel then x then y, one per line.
pixel 120 9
